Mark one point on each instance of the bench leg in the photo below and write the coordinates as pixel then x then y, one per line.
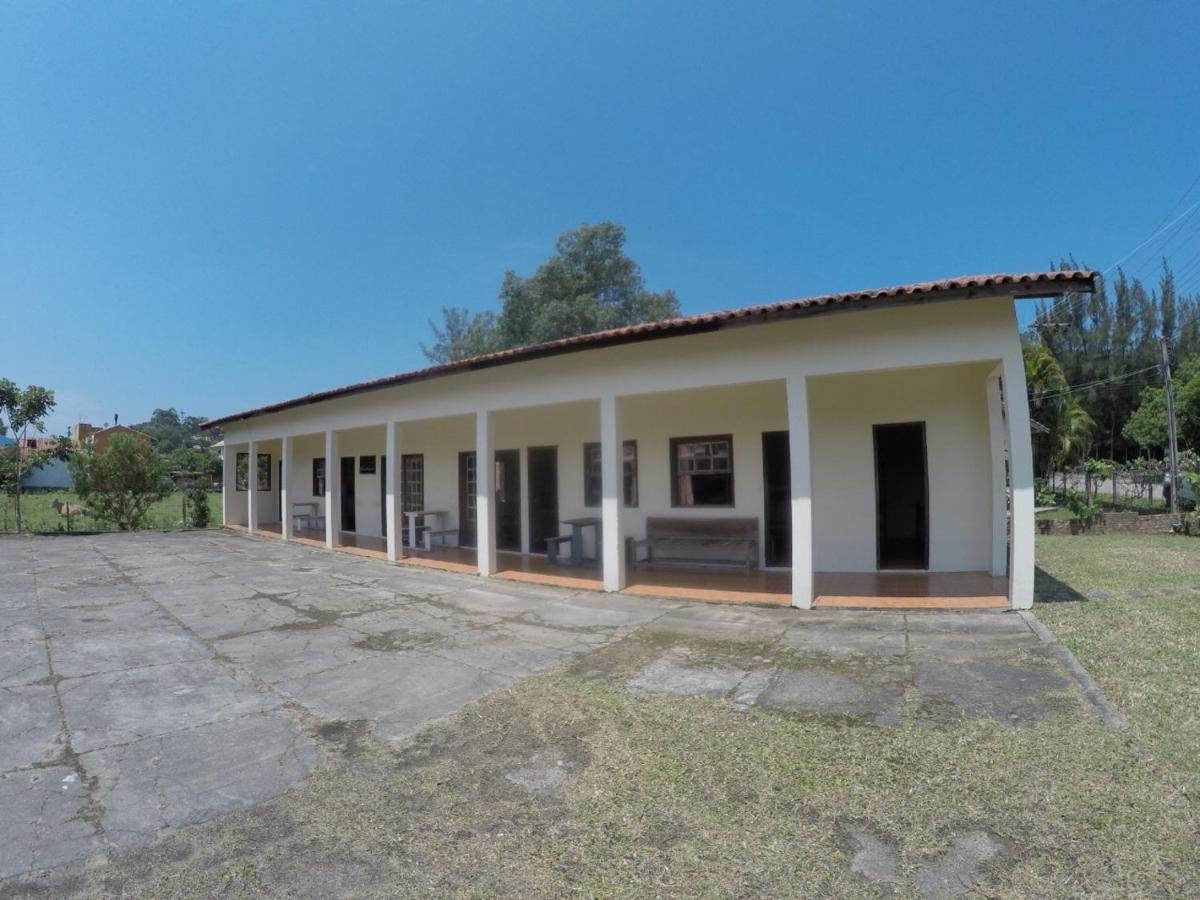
pixel 552 552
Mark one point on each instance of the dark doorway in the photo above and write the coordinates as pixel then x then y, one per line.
pixel 279 494
pixel 777 498
pixel 348 471
pixel 543 496
pixel 508 500
pixel 901 496
pixel 383 477
pixel 466 498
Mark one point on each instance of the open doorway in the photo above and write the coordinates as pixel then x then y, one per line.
pixel 901 496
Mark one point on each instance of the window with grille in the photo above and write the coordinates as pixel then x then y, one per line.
pixel 318 477
pixel 412 480
pixel 241 481
pixel 592 480
pixel 702 471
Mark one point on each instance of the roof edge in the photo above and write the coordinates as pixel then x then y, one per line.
pixel 1025 285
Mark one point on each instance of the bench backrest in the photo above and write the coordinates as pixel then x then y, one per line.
pixel 719 529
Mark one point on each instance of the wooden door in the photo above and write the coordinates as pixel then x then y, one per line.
pixel 543 496
pixel 348 473
pixel 508 500
pixel 901 496
pixel 777 499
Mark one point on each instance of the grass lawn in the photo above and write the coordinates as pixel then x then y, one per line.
pixel 1144 649
pixel 38 515
pixel 660 795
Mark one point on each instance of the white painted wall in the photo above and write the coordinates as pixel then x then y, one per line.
pixel 553 401
pixel 952 403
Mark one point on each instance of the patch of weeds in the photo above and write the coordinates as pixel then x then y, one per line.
pixel 397 639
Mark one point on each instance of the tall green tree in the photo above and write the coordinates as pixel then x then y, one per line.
pixel 120 484
pixel 171 429
pixel 24 409
pixel 589 284
pixel 1109 344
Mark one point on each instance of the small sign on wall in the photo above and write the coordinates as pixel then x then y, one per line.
pixel 366 465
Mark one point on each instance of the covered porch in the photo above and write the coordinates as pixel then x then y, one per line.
pixel 782 479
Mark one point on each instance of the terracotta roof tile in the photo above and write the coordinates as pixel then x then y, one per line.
pixel 1023 284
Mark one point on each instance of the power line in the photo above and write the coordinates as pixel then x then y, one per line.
pixel 1094 384
pixel 1186 213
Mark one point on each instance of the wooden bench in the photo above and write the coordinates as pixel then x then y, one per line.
pixel 709 542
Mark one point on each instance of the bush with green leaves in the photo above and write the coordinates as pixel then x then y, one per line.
pixel 120 484
pixel 197 499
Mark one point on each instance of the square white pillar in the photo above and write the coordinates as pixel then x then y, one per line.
pixel 333 490
pixel 485 468
pixel 998 441
pixel 612 493
pixel 801 478
pixel 252 488
pixel 227 479
pixel 1020 465
pixel 393 503
pixel 285 476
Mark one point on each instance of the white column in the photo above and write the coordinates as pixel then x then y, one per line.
pixel 333 491
pixel 801 478
pixel 998 441
pixel 1020 464
pixel 285 458
pixel 227 479
pixel 485 468
pixel 612 493
pixel 252 488
pixel 392 499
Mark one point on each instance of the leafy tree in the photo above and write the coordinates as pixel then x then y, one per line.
pixel 24 409
pixel 1147 425
pixel 120 484
pixel 1109 341
pixel 462 335
pixel 195 461
pixel 589 284
pixel 171 429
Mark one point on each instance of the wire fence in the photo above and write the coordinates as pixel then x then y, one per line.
pixel 49 511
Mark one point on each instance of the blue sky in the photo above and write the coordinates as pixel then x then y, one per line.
pixel 216 205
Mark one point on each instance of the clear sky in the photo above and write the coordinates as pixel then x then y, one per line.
pixel 217 205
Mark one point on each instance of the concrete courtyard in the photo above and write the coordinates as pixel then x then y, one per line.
pixel 153 681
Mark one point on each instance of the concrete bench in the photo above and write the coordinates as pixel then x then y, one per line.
pixel 438 534
pixel 706 542
pixel 554 546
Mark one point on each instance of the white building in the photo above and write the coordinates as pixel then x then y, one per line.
pixel 869 448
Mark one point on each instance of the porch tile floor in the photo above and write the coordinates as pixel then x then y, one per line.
pixel 852 590
pixel 911 590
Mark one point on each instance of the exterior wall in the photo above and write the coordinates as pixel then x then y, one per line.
pixel 102 437
pixel 305 449
pixel 952 403
pixel 730 381
pixel 53 475
pixel 744 412
pixel 237 503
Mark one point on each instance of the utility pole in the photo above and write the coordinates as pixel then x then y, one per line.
pixel 1172 448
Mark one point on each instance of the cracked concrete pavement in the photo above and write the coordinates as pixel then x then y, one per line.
pixel 156 680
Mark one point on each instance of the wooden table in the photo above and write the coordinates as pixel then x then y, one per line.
pixel 577 526
pixel 413 515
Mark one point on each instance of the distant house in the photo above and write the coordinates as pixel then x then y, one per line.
pixel 100 437
pixel 53 475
